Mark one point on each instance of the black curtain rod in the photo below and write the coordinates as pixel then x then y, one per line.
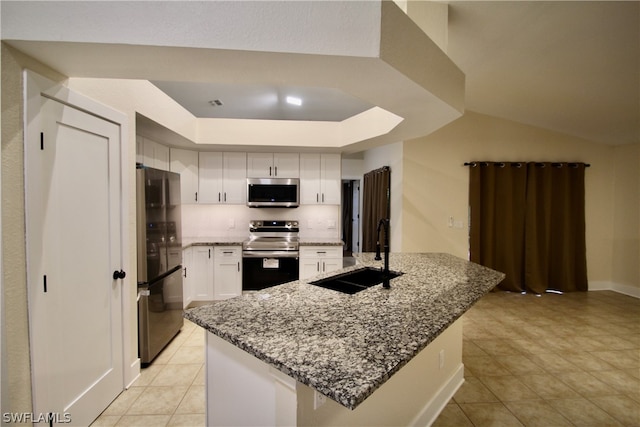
pixel 586 165
pixel 382 169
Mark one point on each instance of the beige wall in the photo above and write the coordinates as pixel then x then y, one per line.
pixel 626 216
pixel 16 327
pixel 436 187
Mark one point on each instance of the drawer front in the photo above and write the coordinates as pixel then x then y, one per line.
pixel 321 251
pixel 228 251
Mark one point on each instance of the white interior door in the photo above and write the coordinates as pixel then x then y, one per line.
pixel 74 246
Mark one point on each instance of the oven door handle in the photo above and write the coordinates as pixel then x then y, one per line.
pixel 269 254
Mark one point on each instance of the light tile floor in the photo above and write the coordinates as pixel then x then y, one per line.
pixel 169 392
pixel 554 360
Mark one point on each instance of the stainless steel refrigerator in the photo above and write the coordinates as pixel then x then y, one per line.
pixel 159 239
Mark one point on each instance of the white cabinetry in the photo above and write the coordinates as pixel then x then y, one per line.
pixel 187 266
pixel 211 272
pixel 185 162
pixel 222 177
pixel 320 176
pixel 273 165
pixel 227 272
pixel 316 260
pixel 199 274
pixel 152 154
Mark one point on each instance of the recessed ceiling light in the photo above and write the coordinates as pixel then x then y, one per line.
pixel 294 100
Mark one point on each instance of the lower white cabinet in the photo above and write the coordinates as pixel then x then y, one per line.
pixel 211 273
pixel 316 260
pixel 227 272
pixel 198 273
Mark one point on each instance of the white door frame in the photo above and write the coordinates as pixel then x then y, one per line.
pixel 36 86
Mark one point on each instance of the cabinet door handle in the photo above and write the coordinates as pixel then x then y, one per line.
pixel 276 168
pixel 321 252
pixel 317 197
pixel 218 196
pixel 225 196
pixel 209 253
pixel 318 266
pixel 185 272
pixel 322 197
pixel 196 196
pixel 269 170
pixel 227 252
pixel 238 266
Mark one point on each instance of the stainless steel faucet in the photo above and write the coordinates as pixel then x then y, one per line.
pixel 384 222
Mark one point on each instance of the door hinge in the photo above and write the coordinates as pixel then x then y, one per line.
pixel 44 282
pixel 42 140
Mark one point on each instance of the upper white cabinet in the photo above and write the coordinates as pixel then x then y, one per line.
pixel 222 177
pixel 320 176
pixel 185 162
pixel 152 154
pixel 273 165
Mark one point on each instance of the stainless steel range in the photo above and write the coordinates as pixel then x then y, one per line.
pixel 270 255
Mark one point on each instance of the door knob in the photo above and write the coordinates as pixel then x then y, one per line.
pixel 119 275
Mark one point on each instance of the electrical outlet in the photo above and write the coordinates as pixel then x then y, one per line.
pixel 319 399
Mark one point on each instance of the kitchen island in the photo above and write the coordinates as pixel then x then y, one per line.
pixel 274 354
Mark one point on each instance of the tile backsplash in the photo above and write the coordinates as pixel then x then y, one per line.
pixel 233 220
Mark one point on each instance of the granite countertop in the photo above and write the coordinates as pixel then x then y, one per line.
pixel 212 241
pixel 346 346
pixel 320 241
pixel 237 241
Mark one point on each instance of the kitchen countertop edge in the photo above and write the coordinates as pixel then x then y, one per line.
pixel 237 241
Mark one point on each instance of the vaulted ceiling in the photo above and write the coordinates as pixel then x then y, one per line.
pixel 567 66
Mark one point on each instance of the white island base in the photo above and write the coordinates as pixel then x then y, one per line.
pixel 242 390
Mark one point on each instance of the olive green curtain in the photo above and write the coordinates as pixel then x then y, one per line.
pixel 555 248
pixel 376 201
pixel 497 192
pixel 528 221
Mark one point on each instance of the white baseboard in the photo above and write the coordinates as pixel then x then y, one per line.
pixel 632 291
pixel 432 409
pixel 133 374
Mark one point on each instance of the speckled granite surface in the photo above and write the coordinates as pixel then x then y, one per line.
pixel 212 241
pixel 346 346
pixel 237 241
pixel 319 241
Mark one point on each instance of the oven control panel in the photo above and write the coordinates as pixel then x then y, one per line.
pixel 273 225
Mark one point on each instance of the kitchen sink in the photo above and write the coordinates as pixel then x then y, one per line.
pixel 355 281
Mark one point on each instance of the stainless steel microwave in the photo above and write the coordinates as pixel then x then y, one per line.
pixel 273 192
